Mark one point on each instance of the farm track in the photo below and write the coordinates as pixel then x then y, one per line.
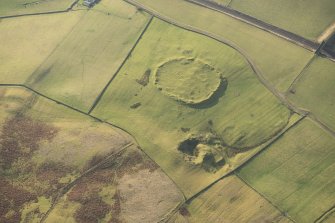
pixel 42 13
pixel 289 36
pixel 325 215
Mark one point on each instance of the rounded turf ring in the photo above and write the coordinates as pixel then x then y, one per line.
pixel 188 80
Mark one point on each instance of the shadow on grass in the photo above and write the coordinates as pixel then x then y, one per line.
pixel 212 101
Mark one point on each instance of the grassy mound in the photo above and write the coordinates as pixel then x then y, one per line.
pixel 188 80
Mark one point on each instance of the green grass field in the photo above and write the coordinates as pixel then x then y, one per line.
pixel 307 18
pixel 191 74
pixel 242 115
pixel 17 7
pixel 87 58
pixel 297 172
pixel 278 60
pixel 35 38
pixel 315 91
pixel 229 200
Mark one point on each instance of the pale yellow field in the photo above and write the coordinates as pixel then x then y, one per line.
pixel 27 41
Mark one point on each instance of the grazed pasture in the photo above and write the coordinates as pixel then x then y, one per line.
pixel 240 116
pixel 307 18
pixel 35 39
pixel 87 58
pixel 19 7
pixel 278 60
pixel 296 172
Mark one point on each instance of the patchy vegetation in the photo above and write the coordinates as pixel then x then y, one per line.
pixel 242 111
pixel 204 150
pixel 188 80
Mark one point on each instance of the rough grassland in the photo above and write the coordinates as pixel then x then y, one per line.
pixel 307 18
pixel 242 115
pixel 297 172
pixel 27 41
pixel 278 60
pixel 315 91
pixel 83 63
pixel 229 200
pixel 45 147
pixel 17 7
pixel 130 187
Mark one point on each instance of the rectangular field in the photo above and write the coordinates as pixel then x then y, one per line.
pixel 18 7
pixel 27 42
pixel 88 57
pixel 307 18
pixel 229 200
pixel 315 91
pixel 278 60
pixel 296 172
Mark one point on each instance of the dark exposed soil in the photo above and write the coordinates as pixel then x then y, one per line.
pixel 86 192
pixel 184 211
pixel 116 208
pixel 189 147
pixel 92 210
pixel 13 198
pixel 20 138
pixel 145 78
pixel 135 161
pixel 136 105
pixel 51 172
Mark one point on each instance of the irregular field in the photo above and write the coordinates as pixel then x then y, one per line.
pixel 307 18
pixel 18 7
pixel 241 116
pixel 83 63
pixel 315 91
pixel 35 38
pixel 128 188
pixel 229 200
pixel 296 173
pixel 278 60
pixel 45 147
